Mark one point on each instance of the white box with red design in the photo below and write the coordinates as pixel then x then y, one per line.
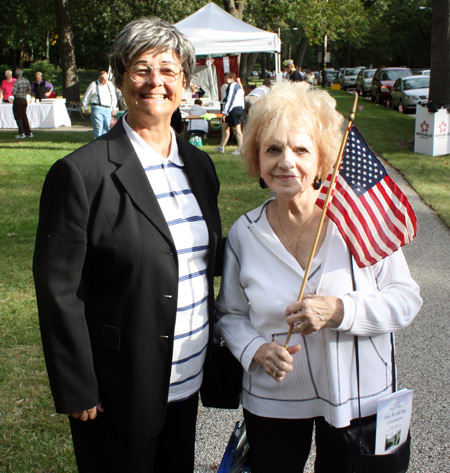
pixel 432 134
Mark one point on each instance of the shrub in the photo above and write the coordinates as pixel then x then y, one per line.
pixel 49 71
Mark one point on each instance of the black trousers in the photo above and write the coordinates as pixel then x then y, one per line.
pixel 99 448
pixel 283 445
pixel 20 115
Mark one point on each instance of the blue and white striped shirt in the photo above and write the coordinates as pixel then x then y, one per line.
pixel 190 235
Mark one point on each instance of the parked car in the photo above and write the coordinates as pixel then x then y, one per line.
pixel 347 78
pixel 425 72
pixel 410 91
pixel 383 81
pixel 331 76
pixel 364 81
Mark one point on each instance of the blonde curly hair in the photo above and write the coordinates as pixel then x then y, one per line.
pixel 294 104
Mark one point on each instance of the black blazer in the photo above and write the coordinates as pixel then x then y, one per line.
pixel 106 276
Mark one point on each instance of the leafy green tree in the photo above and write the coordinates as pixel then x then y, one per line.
pixel 304 23
pixel 399 34
pixel 94 38
pixel 25 31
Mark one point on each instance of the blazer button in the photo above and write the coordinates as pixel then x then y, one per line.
pixel 168 296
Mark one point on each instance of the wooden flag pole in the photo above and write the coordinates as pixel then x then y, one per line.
pixel 351 117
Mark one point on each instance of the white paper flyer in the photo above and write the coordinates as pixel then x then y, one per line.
pixel 393 418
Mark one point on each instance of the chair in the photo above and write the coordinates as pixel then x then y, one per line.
pixel 74 107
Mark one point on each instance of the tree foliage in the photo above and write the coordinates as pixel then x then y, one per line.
pixel 25 31
pixel 399 34
pixel 389 32
pixel 97 22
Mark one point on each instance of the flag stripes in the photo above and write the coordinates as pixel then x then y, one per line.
pixel 373 216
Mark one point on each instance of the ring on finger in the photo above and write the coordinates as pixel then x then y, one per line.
pixel 298 325
pixel 274 373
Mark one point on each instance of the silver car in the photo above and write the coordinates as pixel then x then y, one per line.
pixel 410 91
pixel 347 78
pixel 364 81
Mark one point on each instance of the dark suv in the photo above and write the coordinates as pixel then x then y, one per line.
pixel 383 81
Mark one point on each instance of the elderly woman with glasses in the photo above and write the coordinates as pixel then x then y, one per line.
pixel 126 252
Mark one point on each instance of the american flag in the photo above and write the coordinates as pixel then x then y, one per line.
pixel 373 215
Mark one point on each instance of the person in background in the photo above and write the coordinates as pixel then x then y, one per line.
pixel 310 77
pixel 41 88
pixel 291 71
pixel 21 90
pixel 232 110
pixel 127 246
pixel 101 95
pixel 302 73
pixel 256 93
pixel 7 85
pixel 197 127
pixel 292 138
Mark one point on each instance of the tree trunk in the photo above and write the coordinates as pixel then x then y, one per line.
pixel 302 52
pixel 440 53
pixel 248 60
pixel 71 87
pixel 235 8
pixel 21 56
pixel 47 46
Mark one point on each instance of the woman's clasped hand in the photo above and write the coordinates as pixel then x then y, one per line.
pixel 315 312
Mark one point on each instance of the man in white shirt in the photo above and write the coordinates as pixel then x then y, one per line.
pixel 101 94
pixel 255 94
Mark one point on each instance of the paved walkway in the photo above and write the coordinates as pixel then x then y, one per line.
pixel 74 127
pixel 422 357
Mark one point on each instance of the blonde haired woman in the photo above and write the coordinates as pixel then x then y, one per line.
pixel 291 141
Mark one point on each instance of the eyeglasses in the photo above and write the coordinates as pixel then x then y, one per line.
pixel 141 73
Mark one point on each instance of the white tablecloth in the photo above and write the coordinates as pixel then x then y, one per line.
pixel 40 115
pixel 209 107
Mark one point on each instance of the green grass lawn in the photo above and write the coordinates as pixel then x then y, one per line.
pixel 33 438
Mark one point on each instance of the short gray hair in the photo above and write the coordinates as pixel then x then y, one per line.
pixel 146 34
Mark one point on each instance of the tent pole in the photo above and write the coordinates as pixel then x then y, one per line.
pixel 278 67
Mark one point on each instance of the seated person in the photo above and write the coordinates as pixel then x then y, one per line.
pixel 194 92
pixel 198 127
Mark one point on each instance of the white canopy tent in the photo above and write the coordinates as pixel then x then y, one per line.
pixel 213 31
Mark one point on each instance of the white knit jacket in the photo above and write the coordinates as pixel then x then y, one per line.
pixel 261 279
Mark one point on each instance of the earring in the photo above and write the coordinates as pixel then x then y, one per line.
pixel 262 183
pixel 317 182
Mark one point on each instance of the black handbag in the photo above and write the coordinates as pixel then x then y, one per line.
pixel 222 377
pixel 360 440
pixel 360 435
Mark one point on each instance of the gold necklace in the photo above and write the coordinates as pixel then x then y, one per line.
pixel 293 252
